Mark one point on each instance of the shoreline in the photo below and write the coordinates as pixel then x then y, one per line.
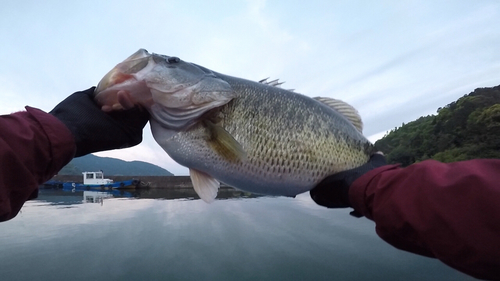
pixel 177 182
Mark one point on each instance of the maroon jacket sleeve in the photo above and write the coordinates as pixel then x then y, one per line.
pixel 34 146
pixel 447 211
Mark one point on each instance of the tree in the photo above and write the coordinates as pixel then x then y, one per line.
pixel 464 129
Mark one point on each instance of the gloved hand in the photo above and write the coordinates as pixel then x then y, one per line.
pixel 333 191
pixel 95 130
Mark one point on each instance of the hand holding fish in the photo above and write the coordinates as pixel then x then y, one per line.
pixel 333 191
pixel 95 130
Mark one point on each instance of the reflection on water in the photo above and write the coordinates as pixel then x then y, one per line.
pixel 95 196
pixel 67 197
pixel 130 237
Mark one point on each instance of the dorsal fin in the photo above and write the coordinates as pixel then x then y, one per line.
pixel 347 110
pixel 274 83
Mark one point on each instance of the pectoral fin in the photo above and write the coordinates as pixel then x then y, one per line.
pixel 205 185
pixel 224 144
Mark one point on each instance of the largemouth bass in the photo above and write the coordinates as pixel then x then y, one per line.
pixel 254 136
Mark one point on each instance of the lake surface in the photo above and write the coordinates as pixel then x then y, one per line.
pixel 64 236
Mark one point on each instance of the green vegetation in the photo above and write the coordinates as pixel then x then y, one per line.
pixel 468 128
pixel 112 167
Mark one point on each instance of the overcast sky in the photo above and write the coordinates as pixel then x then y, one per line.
pixel 393 60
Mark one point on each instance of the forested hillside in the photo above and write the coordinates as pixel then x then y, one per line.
pixel 112 167
pixel 465 129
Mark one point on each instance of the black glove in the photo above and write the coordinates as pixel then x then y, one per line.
pixel 95 130
pixel 333 191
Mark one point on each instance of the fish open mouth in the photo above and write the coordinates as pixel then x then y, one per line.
pixel 124 71
pixel 114 91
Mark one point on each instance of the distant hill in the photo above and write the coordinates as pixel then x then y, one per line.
pixel 468 128
pixel 112 167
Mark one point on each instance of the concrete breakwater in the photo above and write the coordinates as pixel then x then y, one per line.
pixel 162 187
pixel 177 182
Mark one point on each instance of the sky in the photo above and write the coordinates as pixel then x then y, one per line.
pixel 394 61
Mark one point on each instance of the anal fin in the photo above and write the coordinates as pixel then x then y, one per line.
pixel 205 185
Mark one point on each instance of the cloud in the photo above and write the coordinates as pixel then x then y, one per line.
pixel 394 61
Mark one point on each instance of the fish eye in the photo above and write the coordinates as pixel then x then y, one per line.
pixel 173 60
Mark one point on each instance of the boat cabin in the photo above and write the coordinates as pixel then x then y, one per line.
pixel 95 178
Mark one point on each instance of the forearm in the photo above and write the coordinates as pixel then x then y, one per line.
pixel 448 211
pixel 34 146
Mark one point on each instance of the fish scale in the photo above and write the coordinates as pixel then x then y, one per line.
pixel 252 136
pixel 288 150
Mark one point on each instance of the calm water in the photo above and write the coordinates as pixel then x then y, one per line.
pixel 62 237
